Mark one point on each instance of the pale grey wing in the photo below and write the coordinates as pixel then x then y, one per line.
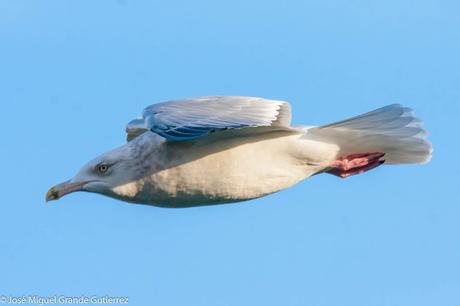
pixel 193 118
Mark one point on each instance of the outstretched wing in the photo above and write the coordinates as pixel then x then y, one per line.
pixel 193 118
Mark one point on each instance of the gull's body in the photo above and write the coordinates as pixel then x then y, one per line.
pixel 174 159
pixel 214 171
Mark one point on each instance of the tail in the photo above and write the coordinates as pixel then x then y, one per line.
pixel 392 130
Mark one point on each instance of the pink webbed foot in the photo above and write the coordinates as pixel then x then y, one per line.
pixel 356 164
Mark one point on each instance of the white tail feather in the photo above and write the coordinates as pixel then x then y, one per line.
pixel 392 130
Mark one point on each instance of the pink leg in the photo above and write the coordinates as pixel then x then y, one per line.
pixel 356 164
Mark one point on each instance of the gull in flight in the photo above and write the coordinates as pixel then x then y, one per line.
pixel 216 150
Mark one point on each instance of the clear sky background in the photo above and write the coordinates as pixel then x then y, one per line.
pixel 73 73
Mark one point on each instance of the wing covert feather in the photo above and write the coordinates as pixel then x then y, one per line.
pixel 189 119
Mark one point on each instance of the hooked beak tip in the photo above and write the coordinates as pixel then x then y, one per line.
pixel 52 194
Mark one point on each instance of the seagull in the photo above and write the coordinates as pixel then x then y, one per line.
pixel 226 149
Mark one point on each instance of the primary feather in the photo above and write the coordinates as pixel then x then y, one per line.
pixel 193 118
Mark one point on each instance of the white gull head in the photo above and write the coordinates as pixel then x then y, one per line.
pixel 114 173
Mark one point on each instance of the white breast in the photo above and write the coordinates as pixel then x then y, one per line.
pixel 230 170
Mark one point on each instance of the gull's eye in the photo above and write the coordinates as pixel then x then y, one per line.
pixel 102 168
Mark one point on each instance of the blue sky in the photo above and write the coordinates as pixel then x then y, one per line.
pixel 73 73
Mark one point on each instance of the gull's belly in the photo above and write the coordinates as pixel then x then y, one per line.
pixel 225 177
pixel 237 173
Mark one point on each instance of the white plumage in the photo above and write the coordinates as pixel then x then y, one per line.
pixel 392 129
pixel 214 150
pixel 192 118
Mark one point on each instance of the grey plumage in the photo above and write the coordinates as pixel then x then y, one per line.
pixel 192 118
